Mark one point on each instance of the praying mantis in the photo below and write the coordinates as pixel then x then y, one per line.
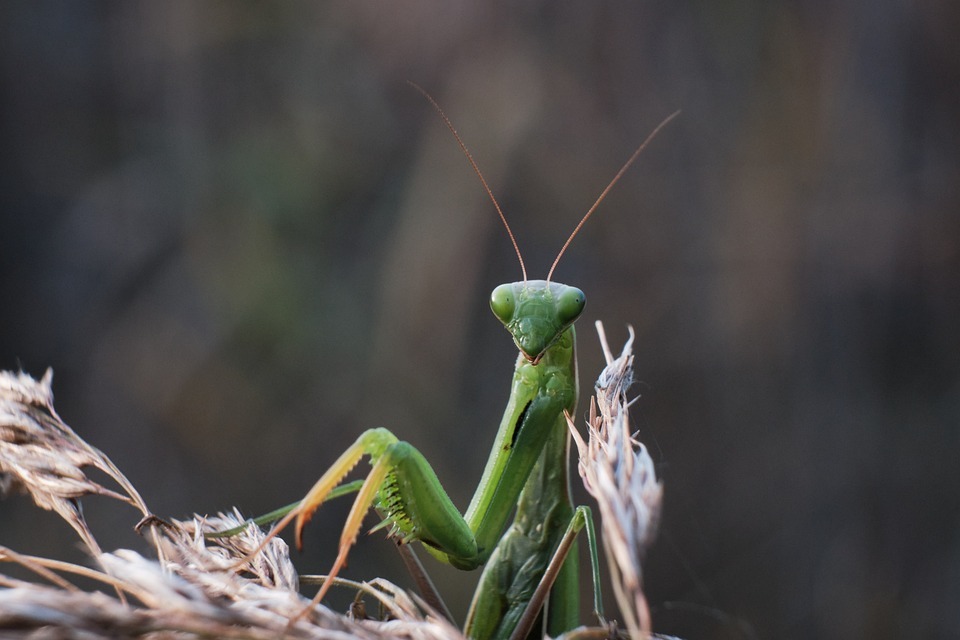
pixel 526 565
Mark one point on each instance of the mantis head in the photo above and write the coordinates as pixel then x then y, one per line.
pixel 536 312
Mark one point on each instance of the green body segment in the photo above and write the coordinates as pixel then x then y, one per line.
pixel 543 513
pixel 539 317
pixel 527 473
pixel 408 490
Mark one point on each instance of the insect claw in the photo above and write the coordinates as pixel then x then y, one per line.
pixel 351 527
pixel 327 482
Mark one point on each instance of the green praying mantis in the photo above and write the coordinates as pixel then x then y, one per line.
pixel 526 565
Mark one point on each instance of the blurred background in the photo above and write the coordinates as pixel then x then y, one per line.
pixel 240 238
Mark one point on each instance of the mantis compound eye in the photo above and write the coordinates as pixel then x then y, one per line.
pixel 570 305
pixel 503 303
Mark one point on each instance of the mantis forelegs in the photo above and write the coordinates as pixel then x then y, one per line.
pixel 526 472
pixel 403 486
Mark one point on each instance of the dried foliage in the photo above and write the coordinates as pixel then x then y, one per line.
pixel 207 586
pixel 619 473
pixel 200 587
pixel 42 456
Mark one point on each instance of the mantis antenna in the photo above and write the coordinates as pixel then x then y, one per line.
pixel 463 147
pixel 603 195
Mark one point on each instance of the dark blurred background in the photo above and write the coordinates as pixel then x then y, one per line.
pixel 240 238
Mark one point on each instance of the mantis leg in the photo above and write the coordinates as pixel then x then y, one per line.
pixel 556 581
pixel 276 514
pixel 403 486
pixel 511 595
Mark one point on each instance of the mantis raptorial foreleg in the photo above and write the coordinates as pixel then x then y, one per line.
pixel 526 472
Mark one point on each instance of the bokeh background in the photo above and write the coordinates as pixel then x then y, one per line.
pixel 240 238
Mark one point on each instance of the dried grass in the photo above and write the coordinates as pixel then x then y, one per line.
pixel 195 589
pixel 618 472
pixel 199 586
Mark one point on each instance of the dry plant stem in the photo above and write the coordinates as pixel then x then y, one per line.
pixel 420 576
pixel 45 567
pixel 40 566
pixel 619 473
pixel 367 588
pixel 42 456
pixel 592 633
pixel 529 617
